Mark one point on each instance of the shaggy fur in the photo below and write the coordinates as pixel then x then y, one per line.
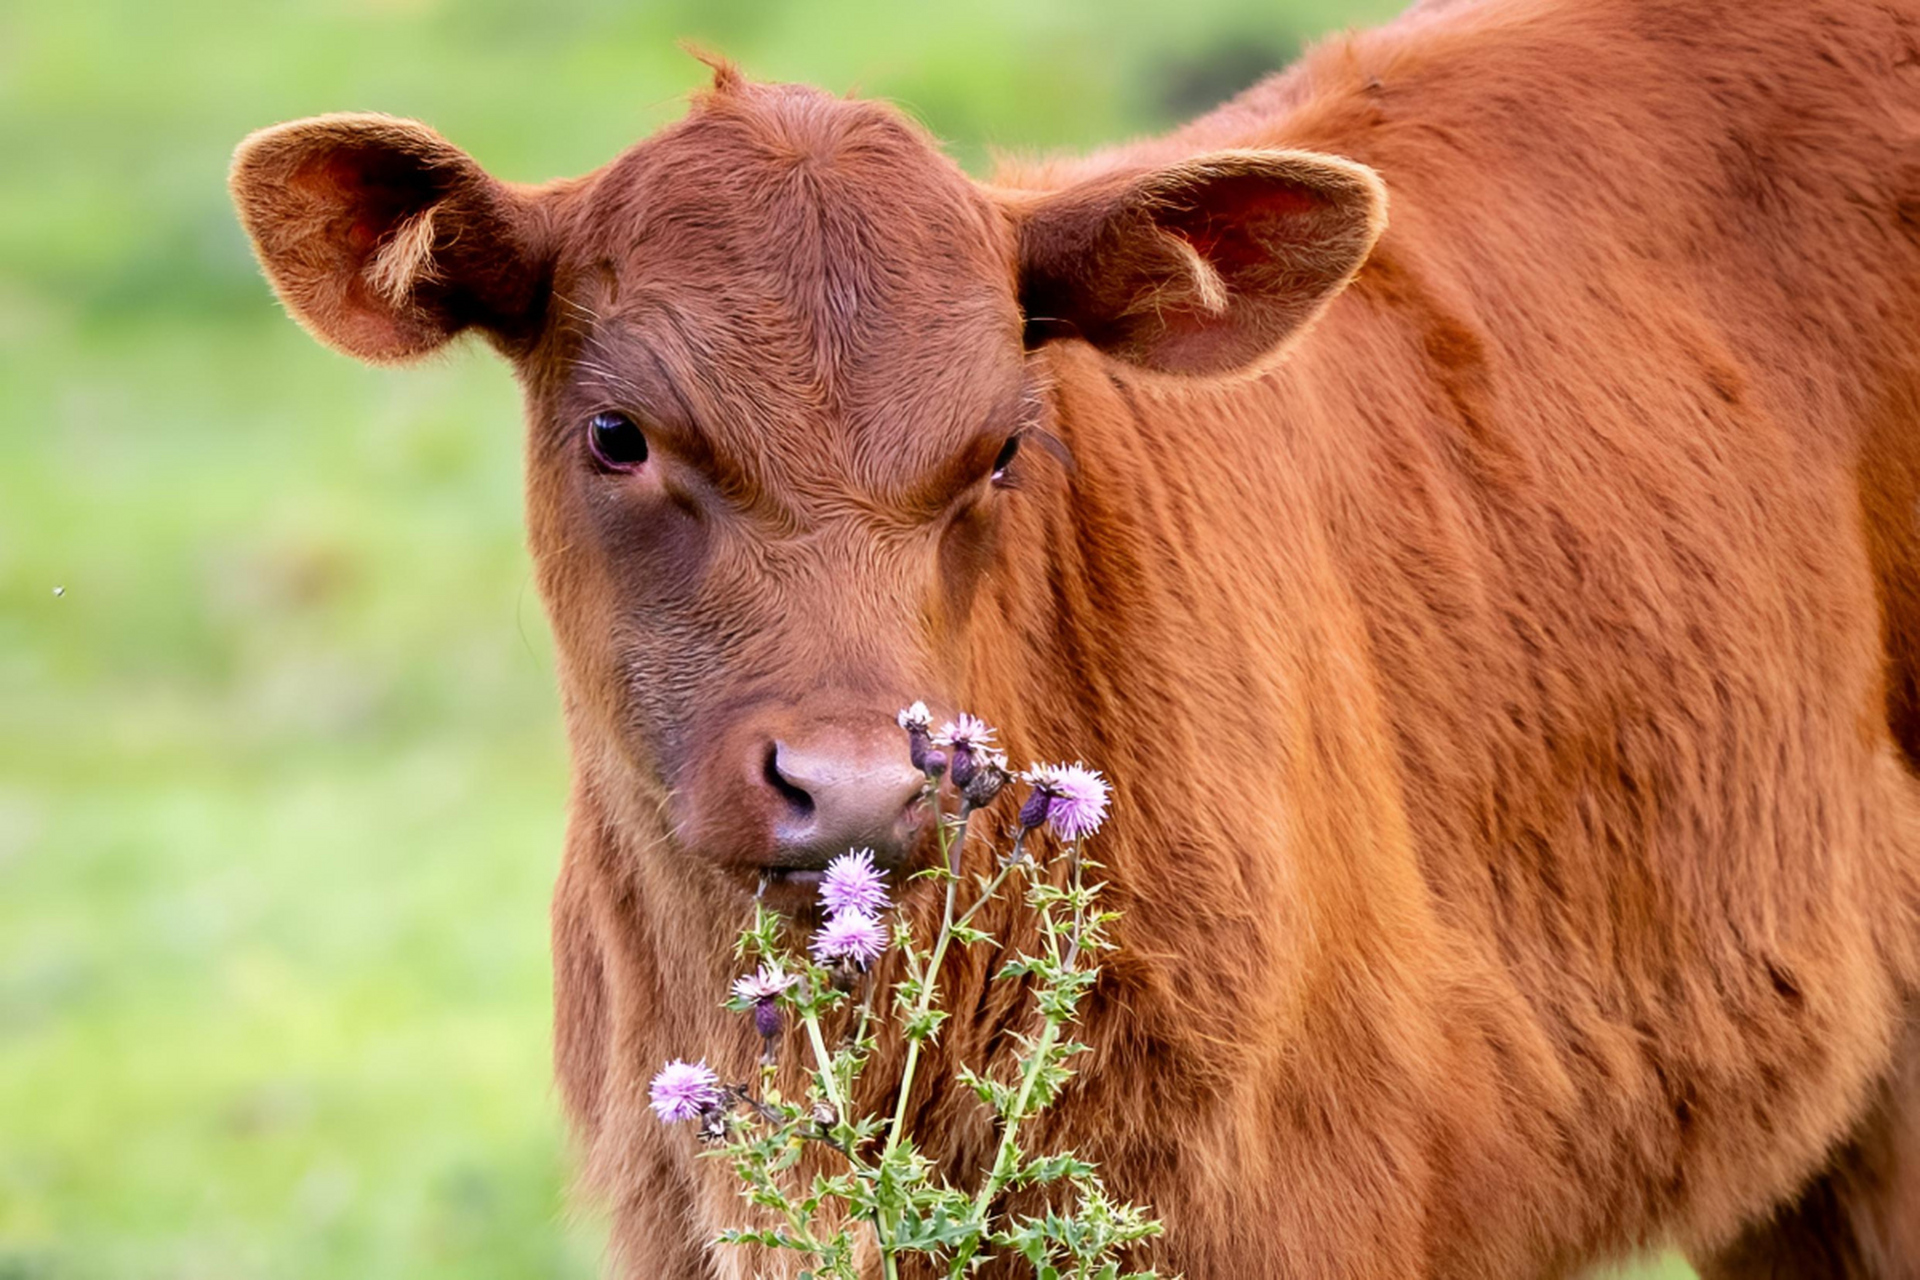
pixel 1510 679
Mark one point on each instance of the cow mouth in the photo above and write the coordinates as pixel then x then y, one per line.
pixel 791 885
pixel 793 891
pixel 791 877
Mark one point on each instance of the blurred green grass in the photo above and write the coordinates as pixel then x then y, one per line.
pixel 281 780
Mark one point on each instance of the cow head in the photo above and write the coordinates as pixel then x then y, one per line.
pixel 783 365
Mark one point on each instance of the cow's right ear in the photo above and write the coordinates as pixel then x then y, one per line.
pixel 384 239
pixel 1202 267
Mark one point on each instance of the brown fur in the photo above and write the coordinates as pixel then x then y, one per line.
pixel 1507 678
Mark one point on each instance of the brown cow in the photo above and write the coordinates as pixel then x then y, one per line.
pixel 1509 671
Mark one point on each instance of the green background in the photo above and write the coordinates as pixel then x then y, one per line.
pixel 280 774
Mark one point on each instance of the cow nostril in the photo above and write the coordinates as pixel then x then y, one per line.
pixel 797 798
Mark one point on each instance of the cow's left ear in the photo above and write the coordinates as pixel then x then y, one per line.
pixel 1202 267
pixel 385 240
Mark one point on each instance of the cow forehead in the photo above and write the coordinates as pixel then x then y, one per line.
pixel 807 271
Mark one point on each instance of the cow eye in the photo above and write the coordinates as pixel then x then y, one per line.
pixel 1006 455
pixel 616 441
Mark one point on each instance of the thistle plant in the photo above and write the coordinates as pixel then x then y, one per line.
pixel 871 1192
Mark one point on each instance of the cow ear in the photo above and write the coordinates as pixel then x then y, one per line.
pixel 1202 267
pixel 384 239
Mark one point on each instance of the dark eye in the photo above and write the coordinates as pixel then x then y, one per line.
pixel 1006 456
pixel 616 441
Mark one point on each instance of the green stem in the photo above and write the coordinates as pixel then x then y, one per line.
pixel 997 1175
pixel 949 854
pixel 830 1079
pixel 1003 1158
pixel 927 977
pixel 1079 905
pixel 950 849
pixel 866 1013
pixel 986 895
pixel 827 1075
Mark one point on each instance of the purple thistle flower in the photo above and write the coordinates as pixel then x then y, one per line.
pixel 853 936
pixel 918 722
pixel 853 883
pixel 684 1091
pixel 1076 798
pixel 764 985
pixel 762 990
pixel 966 731
pixel 968 740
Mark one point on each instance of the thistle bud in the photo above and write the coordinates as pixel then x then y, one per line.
pixel 933 763
pixel 768 1020
pixel 1034 811
pixel 969 743
pixel 918 722
pixel 845 976
pixel 987 780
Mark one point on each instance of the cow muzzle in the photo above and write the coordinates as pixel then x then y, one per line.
pixel 834 794
pixel 783 797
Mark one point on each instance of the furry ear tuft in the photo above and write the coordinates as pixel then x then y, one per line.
pixel 404 260
pixel 384 239
pixel 726 76
pixel 1200 268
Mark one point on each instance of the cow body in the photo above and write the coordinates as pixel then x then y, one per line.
pixel 1518 863
pixel 1509 688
